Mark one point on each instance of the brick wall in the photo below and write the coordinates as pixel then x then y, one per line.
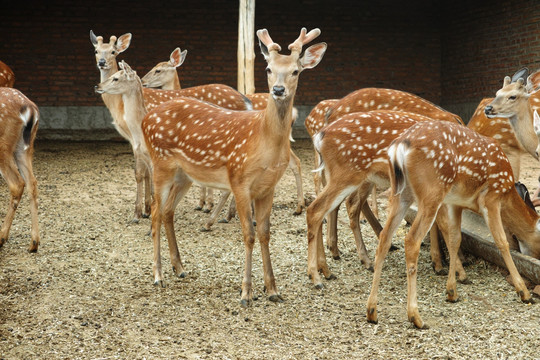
pixel 483 43
pixel 386 43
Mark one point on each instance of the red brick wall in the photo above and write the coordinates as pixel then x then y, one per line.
pixel 385 43
pixel 484 43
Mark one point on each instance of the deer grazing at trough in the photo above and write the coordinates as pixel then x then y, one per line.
pixel 464 170
pixel 19 118
pixel 164 75
pixel 353 156
pixel 7 77
pixel 245 152
pixel 106 53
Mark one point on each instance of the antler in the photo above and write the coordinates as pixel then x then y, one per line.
pixel 265 38
pixel 304 39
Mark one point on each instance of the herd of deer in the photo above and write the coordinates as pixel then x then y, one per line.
pixel 220 139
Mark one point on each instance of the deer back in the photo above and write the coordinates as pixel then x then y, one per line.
pixel 7 77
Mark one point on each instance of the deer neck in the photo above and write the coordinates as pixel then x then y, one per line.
pixel 521 221
pixel 522 124
pixel 278 117
pixel 173 84
pixel 135 108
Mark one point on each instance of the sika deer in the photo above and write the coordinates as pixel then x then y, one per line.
pixel 19 118
pixel 353 154
pixel 243 152
pixel 464 170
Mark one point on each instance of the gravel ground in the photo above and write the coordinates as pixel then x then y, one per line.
pixel 88 292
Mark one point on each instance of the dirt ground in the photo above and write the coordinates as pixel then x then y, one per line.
pixel 88 293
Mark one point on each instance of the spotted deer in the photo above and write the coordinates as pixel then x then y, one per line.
pixel 371 99
pixel 353 155
pixel 19 119
pixel 164 75
pixel 243 152
pixel 106 53
pixel 7 77
pixel 464 170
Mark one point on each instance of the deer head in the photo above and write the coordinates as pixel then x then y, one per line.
pixel 283 70
pixel 106 52
pixel 120 82
pixel 165 72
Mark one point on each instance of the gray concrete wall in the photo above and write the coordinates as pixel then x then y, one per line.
pixel 89 123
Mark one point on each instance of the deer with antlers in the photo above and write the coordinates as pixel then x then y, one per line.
pixel 243 152
pixel 20 118
pixel 7 77
pixel 106 53
pixel 464 170
pixel 164 76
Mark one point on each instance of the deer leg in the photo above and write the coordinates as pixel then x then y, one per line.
pixel 453 243
pixel 231 212
pixel 209 201
pixel 163 184
pixel 215 212
pixel 331 233
pixel 243 205
pixel 419 229
pixel 147 192
pixel 398 205
pixel 316 175
pixel 140 170
pixel 354 204
pixel 492 217
pixel 202 198
pixel 444 225
pixel 328 200
pixel 16 187
pixel 177 191
pixel 263 207
pixel 24 163
pixel 294 165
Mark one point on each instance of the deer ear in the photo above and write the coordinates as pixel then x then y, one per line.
pixel 123 42
pixel 520 74
pixel 177 57
pixel 264 50
pixel 313 55
pixel 536 121
pixel 93 38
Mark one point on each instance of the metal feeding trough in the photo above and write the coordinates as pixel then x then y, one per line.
pixel 477 240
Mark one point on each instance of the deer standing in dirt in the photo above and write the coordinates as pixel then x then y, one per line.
pixel 19 119
pixel 464 170
pixel 243 152
pixel 7 77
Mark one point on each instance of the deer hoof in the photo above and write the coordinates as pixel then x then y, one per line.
pixel 276 298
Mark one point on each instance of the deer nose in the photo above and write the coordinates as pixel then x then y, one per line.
pixel 101 62
pixel 278 90
pixel 488 109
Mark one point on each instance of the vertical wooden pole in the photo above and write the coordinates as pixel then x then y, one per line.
pixel 246 53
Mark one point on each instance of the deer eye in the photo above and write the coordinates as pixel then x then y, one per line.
pixel 158 71
pixel 113 52
pixel 95 52
pixel 513 97
pixel 268 71
pixel 115 79
pixel 295 72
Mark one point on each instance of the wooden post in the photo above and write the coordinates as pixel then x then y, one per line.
pixel 246 53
